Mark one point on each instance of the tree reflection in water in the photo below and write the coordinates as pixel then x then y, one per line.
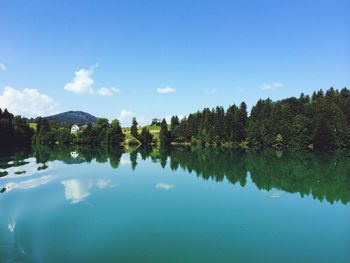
pixel 325 177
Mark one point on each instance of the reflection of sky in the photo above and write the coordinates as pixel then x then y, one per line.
pixel 12 224
pixel 77 190
pixel 273 193
pixel 125 160
pixel 164 186
pixel 28 184
pixel 30 168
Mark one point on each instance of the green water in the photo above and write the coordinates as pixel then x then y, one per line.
pixel 173 205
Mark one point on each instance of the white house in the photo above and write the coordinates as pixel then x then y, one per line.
pixel 74 155
pixel 74 129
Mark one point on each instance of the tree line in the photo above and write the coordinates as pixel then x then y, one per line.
pixel 321 121
pixel 102 132
pixel 14 130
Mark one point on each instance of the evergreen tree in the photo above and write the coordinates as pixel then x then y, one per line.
pixel 146 138
pixel 241 122
pixel 164 135
pixel 174 124
pixel 115 135
pixel 133 129
pixel 100 131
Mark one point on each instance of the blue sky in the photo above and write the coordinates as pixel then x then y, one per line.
pixel 158 58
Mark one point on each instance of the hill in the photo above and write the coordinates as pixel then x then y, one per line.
pixel 73 117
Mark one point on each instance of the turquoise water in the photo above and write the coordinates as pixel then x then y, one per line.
pixel 173 205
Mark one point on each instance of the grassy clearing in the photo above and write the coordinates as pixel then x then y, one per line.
pixel 151 128
pixel 154 130
pixel 131 140
pixel 32 125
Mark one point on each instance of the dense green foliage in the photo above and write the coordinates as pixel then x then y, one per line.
pixel 101 133
pixel 14 130
pixel 164 134
pixel 133 128
pixel 145 136
pixel 114 133
pixel 321 121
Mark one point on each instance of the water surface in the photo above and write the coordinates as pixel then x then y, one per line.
pixel 76 204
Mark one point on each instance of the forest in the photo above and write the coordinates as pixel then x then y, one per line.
pixel 320 121
pixel 14 130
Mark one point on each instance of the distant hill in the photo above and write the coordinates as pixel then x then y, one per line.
pixel 73 117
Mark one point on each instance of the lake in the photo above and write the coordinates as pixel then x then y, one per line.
pixel 80 204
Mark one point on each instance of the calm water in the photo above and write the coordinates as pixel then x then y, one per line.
pixel 174 205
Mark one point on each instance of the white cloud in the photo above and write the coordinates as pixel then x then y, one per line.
pixel 82 82
pixel 107 91
pixel 125 118
pixel 141 121
pixel 164 186
pixel 168 117
pixel 166 90
pixel 124 115
pixel 272 86
pixel 2 67
pixel 27 102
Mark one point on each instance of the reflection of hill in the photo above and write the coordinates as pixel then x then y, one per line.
pixel 324 177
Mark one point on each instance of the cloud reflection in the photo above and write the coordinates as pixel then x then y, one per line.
pixel 164 186
pixel 124 160
pixel 12 224
pixel 77 190
pixel 28 184
pixel 29 165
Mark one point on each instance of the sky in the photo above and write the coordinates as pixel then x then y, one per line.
pixel 119 59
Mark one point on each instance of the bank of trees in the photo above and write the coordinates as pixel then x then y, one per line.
pixel 145 137
pixel 14 130
pixel 102 132
pixel 321 121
